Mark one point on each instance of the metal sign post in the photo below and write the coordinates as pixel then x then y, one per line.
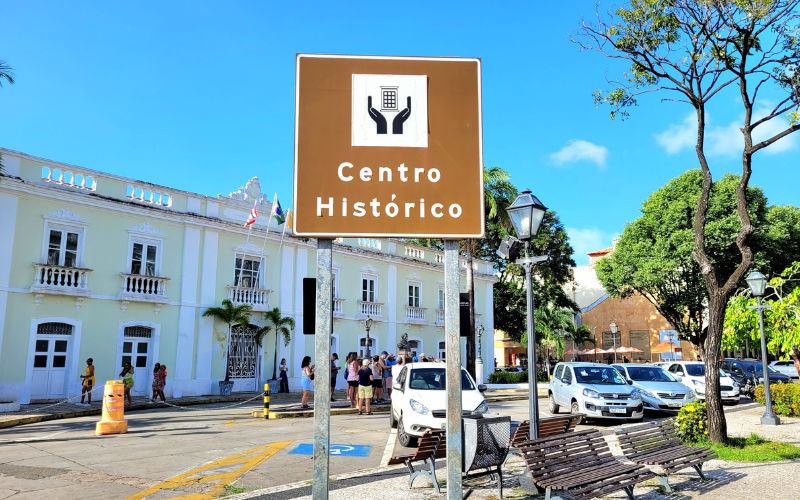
pixel 322 370
pixel 453 370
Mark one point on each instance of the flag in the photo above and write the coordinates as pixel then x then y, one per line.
pixel 277 211
pixel 251 219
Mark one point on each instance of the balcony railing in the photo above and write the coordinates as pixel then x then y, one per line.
pixel 371 309
pixel 145 288
pixel 258 298
pixel 338 307
pixel 415 314
pixel 440 317
pixel 60 279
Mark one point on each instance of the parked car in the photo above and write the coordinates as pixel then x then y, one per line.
pixel 419 399
pixel 659 389
pixel 742 369
pixel 785 367
pixel 692 374
pixel 597 390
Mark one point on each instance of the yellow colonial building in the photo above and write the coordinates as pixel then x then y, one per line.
pixel 97 265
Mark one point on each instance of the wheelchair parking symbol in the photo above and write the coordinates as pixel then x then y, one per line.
pixel 335 450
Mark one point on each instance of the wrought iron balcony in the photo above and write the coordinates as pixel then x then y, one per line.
pixel 415 314
pixel 258 298
pixel 60 280
pixel 371 309
pixel 143 288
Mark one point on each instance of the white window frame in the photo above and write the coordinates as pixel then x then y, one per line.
pixel 442 350
pixel 410 301
pixel 374 279
pixel 261 266
pixel 373 348
pixel 336 281
pixel 440 298
pixel 144 242
pixel 419 350
pixel 63 228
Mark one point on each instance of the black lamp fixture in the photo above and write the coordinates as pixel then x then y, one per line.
pixel 526 214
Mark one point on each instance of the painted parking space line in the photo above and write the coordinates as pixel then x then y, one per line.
pixel 388 451
pixel 217 473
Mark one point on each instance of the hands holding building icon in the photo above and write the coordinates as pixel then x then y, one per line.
pixel 380 119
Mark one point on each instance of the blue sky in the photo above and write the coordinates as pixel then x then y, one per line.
pixel 200 96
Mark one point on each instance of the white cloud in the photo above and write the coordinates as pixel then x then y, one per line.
pixel 579 150
pixel 587 239
pixel 726 140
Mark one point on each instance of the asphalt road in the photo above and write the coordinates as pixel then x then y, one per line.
pixel 173 452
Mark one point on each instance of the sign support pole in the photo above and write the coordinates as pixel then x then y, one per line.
pixel 453 371
pixel 322 370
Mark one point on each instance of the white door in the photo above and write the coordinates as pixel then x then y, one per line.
pixel 49 367
pixel 137 352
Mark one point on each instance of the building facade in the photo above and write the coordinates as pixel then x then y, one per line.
pixel 97 265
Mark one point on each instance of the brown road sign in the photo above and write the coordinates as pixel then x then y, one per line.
pixel 388 146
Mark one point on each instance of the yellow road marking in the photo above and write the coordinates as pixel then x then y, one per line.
pixel 245 461
pixel 240 421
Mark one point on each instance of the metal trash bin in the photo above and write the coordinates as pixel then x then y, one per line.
pixel 485 445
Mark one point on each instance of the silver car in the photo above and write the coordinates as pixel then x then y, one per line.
pixel 659 389
pixel 596 390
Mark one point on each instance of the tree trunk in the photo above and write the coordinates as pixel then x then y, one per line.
pixel 275 359
pixel 471 333
pixel 717 427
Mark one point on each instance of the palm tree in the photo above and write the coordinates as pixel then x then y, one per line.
pixel 283 325
pixel 6 73
pixel 551 327
pixel 498 194
pixel 231 315
pixel 579 335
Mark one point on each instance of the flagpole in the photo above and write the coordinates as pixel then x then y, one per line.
pixel 269 220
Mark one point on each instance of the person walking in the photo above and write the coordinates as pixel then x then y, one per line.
pixel 389 363
pixel 306 381
pixel 352 378
pixel 334 372
pixel 88 381
pixel 284 385
pixel 364 387
pixel 377 379
pixel 127 379
pixel 157 383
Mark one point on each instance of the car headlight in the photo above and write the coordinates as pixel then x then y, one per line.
pixel 699 384
pixel 482 408
pixel 418 407
pixel 591 393
pixel 691 395
pixel 637 393
pixel 643 392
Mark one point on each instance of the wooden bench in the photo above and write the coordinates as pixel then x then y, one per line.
pixel 547 427
pixel 657 444
pixel 580 465
pixel 432 446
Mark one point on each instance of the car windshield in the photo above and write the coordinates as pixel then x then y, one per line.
pixel 697 370
pixel 649 374
pixel 434 379
pixel 598 375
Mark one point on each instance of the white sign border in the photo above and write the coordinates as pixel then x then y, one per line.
pixel 389 58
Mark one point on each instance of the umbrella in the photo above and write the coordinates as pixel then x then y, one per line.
pixel 624 349
pixel 593 350
pixel 573 351
pixel 665 347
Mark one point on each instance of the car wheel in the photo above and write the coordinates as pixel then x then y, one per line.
pixel 553 405
pixel 402 436
pixel 575 407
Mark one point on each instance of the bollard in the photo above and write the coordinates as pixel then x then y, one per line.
pixel 266 401
pixel 113 418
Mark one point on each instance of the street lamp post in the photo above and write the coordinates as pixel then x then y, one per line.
pixel 479 360
pixel 368 325
pixel 526 214
pixel 614 329
pixel 671 339
pixel 758 283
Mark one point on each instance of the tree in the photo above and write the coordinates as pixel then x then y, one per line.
pixel 282 325
pixel 693 51
pixel 781 319
pixel 6 73
pixel 653 257
pixel 579 335
pixel 231 315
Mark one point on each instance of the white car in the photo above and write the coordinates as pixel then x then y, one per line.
pixel 659 389
pixel 419 399
pixel 597 390
pixel 785 367
pixel 692 374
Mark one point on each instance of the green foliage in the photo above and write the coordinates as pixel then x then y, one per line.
pixel 230 314
pixel 282 326
pixel 781 318
pixel 6 73
pixel 753 449
pixel 515 377
pixel 654 254
pixel 785 398
pixel 692 422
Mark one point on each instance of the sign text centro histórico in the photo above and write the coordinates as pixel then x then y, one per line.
pixel 388 146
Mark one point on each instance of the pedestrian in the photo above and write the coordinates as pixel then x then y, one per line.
pixel 387 375
pixel 364 386
pixel 284 387
pixel 306 381
pixel 334 372
pixel 163 382
pixel 157 383
pixel 352 378
pixel 127 379
pixel 377 379
pixel 88 381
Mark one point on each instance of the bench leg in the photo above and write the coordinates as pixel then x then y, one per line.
pixel 699 469
pixel 629 491
pixel 500 481
pixel 432 466
pixel 664 481
pixel 547 493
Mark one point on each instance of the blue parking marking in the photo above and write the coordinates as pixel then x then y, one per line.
pixel 336 450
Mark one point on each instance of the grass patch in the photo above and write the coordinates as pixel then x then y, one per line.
pixel 754 449
pixel 232 489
